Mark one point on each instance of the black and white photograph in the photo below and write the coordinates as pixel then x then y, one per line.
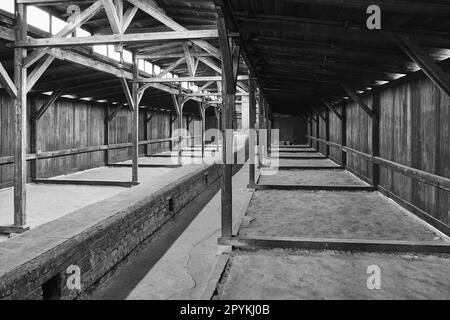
pixel 221 159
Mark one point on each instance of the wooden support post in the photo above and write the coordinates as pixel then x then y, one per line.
pixel 146 136
pixel 20 120
pixel 217 114
pixel 178 102
pixel 344 134
pixel 170 130
pixel 202 115
pixel 229 101
pixel 106 136
pixel 310 130
pixel 180 136
pixel 135 125
pixel 252 136
pixel 376 137
pixel 34 142
pixel 317 132
pixel 260 128
pixel 327 133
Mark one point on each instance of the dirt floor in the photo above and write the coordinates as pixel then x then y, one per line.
pixel 312 177
pixel 306 163
pixel 321 214
pixel 297 154
pixel 287 275
pixel 290 150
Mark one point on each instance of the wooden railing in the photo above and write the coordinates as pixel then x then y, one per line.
pixel 71 152
pixel 419 175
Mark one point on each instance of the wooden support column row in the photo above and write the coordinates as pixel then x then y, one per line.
pixel 20 121
pixel 375 137
pixel 202 111
pixel 317 131
pixel 327 133
pixel 135 124
pixel 344 134
pixel 229 79
pixel 252 135
pixel 178 104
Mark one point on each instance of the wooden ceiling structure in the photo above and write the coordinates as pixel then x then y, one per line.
pixel 185 44
pixel 306 53
pixel 83 73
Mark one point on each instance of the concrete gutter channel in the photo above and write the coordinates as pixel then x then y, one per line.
pixel 97 238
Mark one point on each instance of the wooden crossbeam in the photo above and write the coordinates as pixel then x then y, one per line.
pixel 117 39
pixel 423 60
pixel 79 20
pixel 51 100
pixel 152 9
pixel 172 55
pixel 359 101
pixel 337 244
pixel 315 187
pixel 187 79
pixel 7 83
pixel 207 94
pixel 173 66
pixel 126 184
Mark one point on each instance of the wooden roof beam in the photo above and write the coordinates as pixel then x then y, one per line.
pixel 332 109
pixel 399 6
pixel 428 66
pixel 117 39
pixel 7 82
pixel 359 101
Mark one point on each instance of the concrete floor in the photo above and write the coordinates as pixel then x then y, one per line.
pixel 306 163
pixel 191 267
pixel 291 150
pixel 49 202
pixel 322 214
pixel 287 275
pixel 297 154
pixel 312 177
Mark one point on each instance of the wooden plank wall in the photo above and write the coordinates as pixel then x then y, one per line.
pixel 292 128
pixel 74 124
pixel 414 131
pixel 335 134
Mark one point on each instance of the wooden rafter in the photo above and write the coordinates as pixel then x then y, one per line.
pixel 332 109
pixel 115 112
pixel 38 71
pixel 50 101
pixel 113 16
pixel 7 83
pixel 152 9
pixel 173 66
pixel 128 94
pixel 359 101
pixel 428 66
pixel 79 20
